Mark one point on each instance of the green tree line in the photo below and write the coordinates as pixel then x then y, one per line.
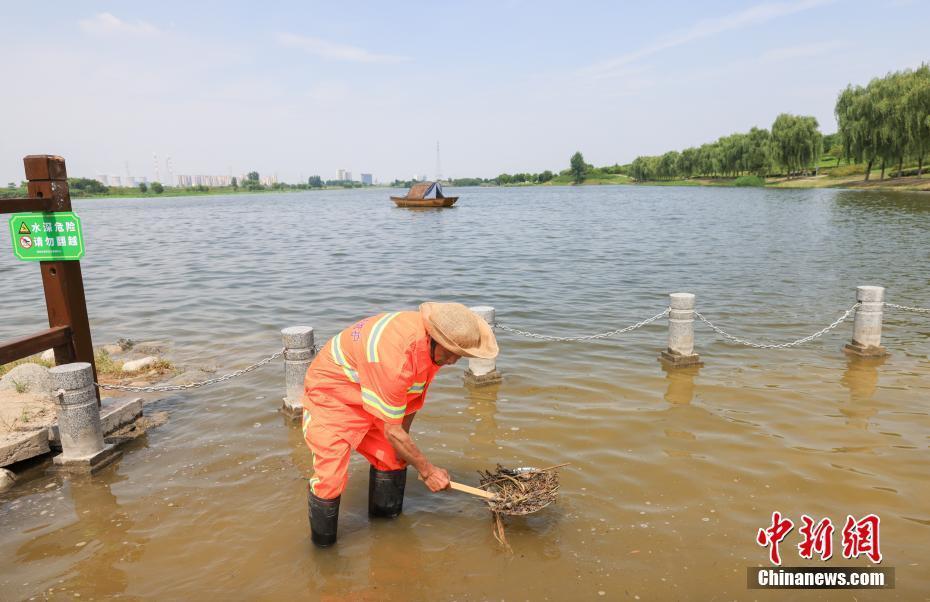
pixel 887 121
pixel 793 146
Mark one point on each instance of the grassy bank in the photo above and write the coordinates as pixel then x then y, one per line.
pixel 830 175
pixel 599 179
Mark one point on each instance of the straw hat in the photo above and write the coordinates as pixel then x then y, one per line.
pixel 459 330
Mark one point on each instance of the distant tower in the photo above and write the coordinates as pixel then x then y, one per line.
pixel 170 172
pixel 155 163
pixel 438 164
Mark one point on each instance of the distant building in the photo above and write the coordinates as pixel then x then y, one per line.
pixel 348 177
pixel 185 181
pixel 115 181
pixel 341 175
pixel 102 178
pixel 366 179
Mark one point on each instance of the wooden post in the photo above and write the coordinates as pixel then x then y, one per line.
pixel 62 280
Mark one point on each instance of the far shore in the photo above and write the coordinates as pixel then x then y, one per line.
pixel 906 184
pixel 854 182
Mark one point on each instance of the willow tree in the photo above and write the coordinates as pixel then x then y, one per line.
pixel 916 106
pixel 796 142
pixel 886 95
pixel 639 169
pixel 757 159
pixel 667 166
pixel 857 127
pixel 687 161
pixel 888 120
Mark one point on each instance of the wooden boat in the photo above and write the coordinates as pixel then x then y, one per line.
pixel 425 194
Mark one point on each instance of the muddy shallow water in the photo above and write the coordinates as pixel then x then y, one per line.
pixel 672 473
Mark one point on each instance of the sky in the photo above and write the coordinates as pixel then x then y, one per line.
pixel 296 89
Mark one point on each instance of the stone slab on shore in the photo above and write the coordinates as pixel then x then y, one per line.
pixel 22 445
pixel 115 413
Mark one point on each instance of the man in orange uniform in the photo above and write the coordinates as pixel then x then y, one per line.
pixel 362 392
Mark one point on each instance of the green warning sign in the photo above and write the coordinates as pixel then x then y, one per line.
pixel 47 236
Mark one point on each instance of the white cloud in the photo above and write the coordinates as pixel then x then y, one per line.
pixel 109 24
pixel 800 51
pixel 704 28
pixel 335 51
pixel 328 92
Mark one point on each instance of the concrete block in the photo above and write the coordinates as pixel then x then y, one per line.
pixel 860 350
pixel 676 360
pixel 115 413
pixel 480 380
pixel 18 446
pixel 292 409
pixel 87 464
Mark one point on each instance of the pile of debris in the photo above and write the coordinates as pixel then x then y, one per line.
pixel 517 492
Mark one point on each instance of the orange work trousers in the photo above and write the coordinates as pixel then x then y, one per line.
pixel 332 430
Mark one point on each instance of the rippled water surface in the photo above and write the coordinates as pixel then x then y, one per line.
pixel 671 473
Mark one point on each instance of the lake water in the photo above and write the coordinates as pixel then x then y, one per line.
pixel 672 473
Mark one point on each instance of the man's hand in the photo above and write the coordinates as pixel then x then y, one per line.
pixel 436 478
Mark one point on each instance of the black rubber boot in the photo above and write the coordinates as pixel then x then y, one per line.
pixel 386 492
pixel 324 518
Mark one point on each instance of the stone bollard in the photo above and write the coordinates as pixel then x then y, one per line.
pixel 482 372
pixel 680 351
pixel 298 353
pixel 83 448
pixel 867 326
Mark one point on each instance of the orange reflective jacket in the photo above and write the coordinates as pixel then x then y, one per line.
pixel 381 363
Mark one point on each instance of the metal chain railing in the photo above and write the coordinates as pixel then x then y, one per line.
pixel 212 381
pixel 800 341
pixel 923 310
pixel 533 335
pixel 590 337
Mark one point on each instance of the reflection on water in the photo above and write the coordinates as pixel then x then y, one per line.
pixel 861 379
pixel 672 472
pixel 95 544
pixel 680 389
pixel 481 411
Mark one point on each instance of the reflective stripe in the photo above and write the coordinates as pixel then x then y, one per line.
pixel 416 388
pixel 375 336
pixel 340 359
pixel 306 422
pixel 371 398
pixel 313 483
